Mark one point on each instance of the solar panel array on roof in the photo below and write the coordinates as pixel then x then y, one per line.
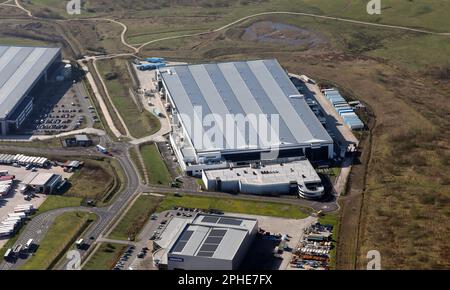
pixel 230 221
pixel 213 240
pixel 211 243
pixel 222 220
pixel 183 241
pixel 217 233
pixel 186 235
pixel 210 219
pixel 205 254
pixel 209 247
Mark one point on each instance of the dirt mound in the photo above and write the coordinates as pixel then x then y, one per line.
pixel 280 33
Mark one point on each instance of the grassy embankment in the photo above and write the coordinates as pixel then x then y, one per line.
pixel 58 239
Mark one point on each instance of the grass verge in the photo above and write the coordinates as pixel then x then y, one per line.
pixel 155 166
pixel 59 237
pixel 139 122
pixel 105 257
pixel 56 201
pixel 135 218
pixel 236 205
pixel 332 219
pixel 97 180
pixel 135 158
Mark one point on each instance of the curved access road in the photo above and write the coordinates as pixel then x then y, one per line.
pixel 36 230
pixel 39 225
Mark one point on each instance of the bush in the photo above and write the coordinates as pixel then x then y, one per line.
pixel 111 76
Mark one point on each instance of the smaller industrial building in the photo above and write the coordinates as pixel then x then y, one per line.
pixel 42 182
pixel 78 141
pixel 206 242
pixel 296 177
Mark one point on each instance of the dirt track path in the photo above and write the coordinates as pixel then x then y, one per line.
pixel 298 14
pixel 138 49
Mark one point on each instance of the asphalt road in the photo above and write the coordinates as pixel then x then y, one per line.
pixel 39 225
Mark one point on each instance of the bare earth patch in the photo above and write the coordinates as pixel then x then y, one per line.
pixel 280 33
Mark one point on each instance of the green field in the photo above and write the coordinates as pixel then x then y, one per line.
pixel 61 234
pixel 52 202
pixel 96 180
pixel 419 13
pixel 105 257
pixel 56 201
pixel 135 218
pixel 332 219
pixel 156 168
pixel 139 122
pixel 236 206
pixel 135 158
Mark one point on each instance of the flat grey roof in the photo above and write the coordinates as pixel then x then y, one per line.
pixel 301 171
pixel 82 138
pixel 213 236
pixel 20 68
pixel 43 178
pixel 260 87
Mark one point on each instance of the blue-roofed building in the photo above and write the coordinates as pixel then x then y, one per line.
pixel 22 70
pixel 204 94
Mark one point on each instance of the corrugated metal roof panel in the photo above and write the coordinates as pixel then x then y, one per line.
pixel 259 87
pixel 20 68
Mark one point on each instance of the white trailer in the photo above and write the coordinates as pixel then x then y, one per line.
pixel 10 224
pixel 24 206
pixel 3 227
pixel 7 254
pixel 13 219
pixel 79 243
pixel 28 244
pixel 6 230
pixel 19 214
pixel 23 188
pixel 101 149
pixel 22 159
pixel 23 209
pixel 5 233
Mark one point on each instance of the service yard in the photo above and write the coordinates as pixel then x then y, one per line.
pixel 15 198
pixel 261 254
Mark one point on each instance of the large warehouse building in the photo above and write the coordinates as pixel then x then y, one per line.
pixel 23 70
pixel 199 96
pixel 208 242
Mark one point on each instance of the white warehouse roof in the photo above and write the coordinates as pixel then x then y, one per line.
pixel 259 87
pixel 20 68
pixel 301 171
pixel 213 236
